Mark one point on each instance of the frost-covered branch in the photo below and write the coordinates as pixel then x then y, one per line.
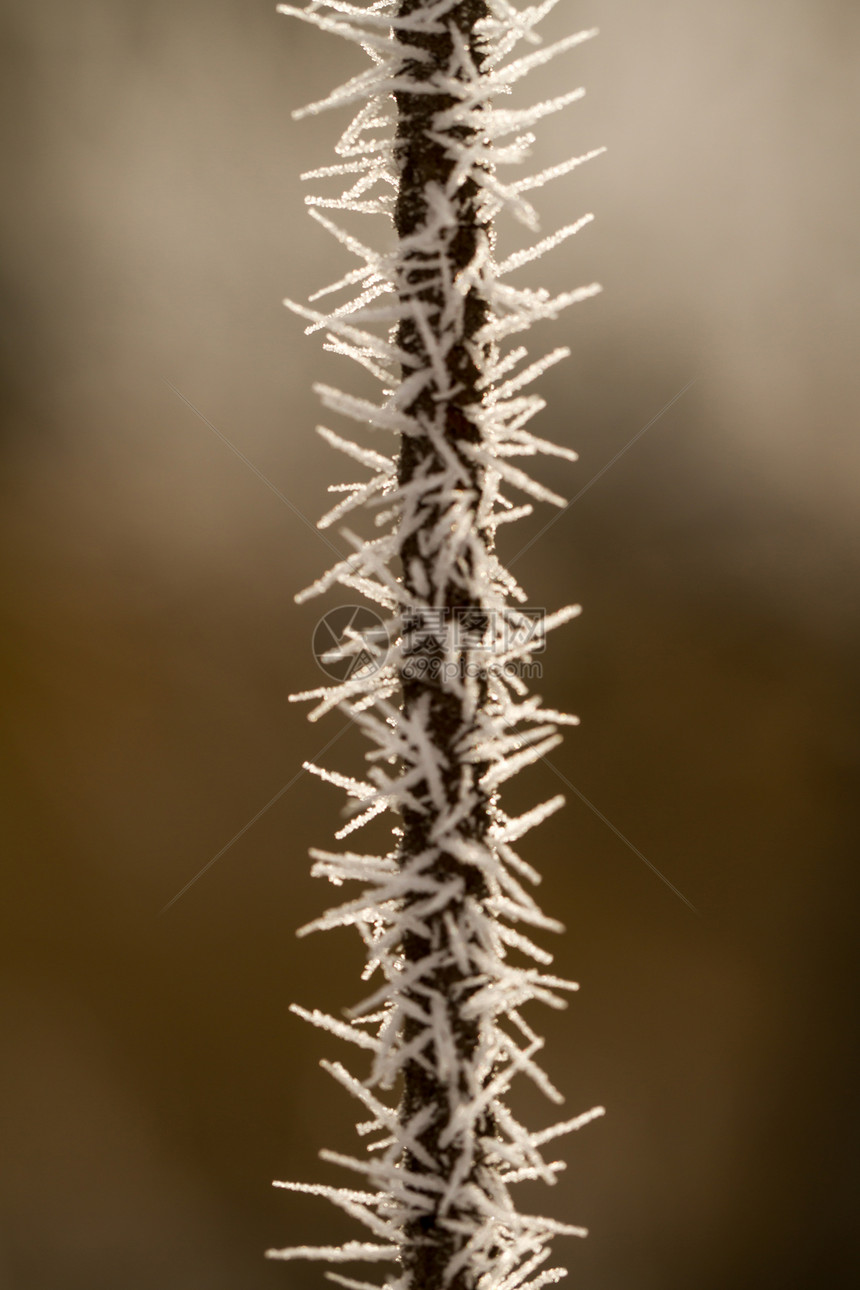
pixel 443 707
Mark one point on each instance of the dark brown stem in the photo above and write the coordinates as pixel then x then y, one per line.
pixel 422 161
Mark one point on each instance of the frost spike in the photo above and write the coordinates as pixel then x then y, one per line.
pixel 346 1253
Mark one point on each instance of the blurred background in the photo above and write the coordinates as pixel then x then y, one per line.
pixel 153 1082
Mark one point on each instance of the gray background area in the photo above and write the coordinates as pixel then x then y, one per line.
pixel 152 1082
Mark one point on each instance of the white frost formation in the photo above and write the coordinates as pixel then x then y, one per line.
pixel 441 921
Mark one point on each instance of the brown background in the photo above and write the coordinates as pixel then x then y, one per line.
pixel 152 1082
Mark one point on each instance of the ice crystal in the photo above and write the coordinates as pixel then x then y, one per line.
pixel 448 717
